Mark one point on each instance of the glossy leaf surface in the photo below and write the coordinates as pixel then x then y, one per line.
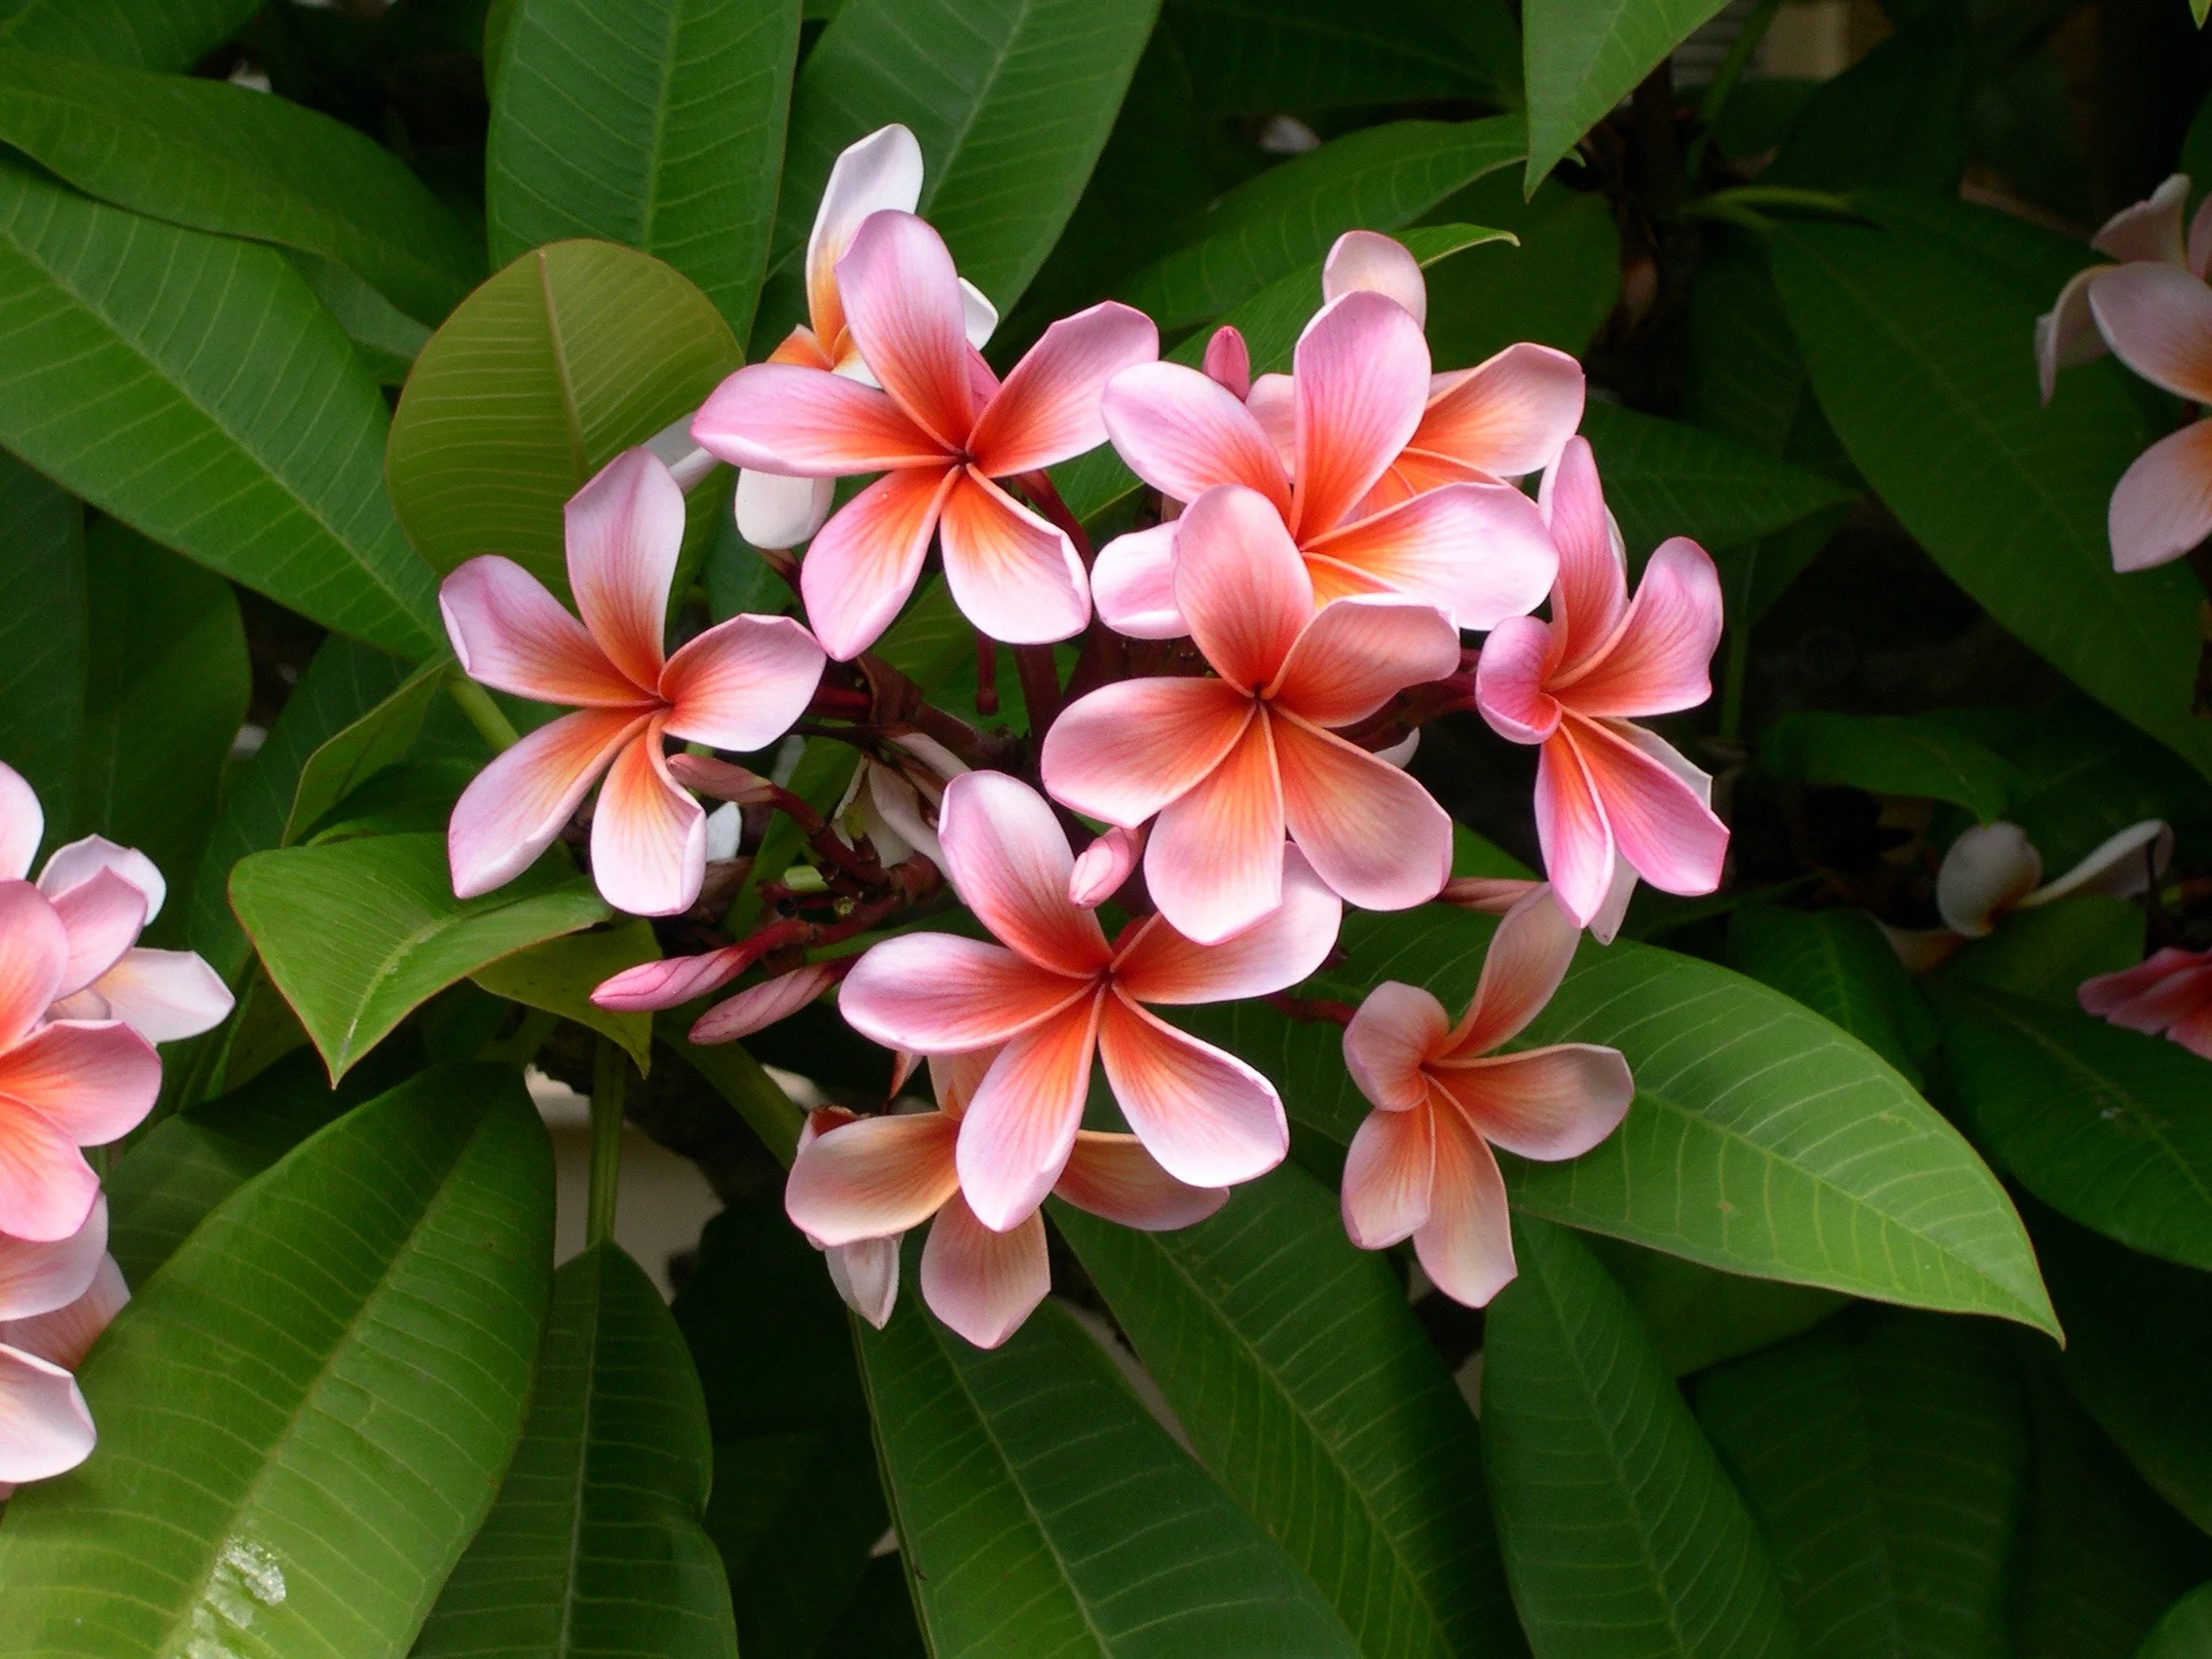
pixel 42 634
pixel 1580 58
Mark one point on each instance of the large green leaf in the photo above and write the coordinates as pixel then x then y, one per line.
pixel 151 34
pixel 1837 964
pixel 594 1544
pixel 215 156
pixel 42 634
pixel 1378 178
pixel 1764 1140
pixel 1294 1364
pixel 1917 352
pixel 1623 1535
pixel 120 340
pixel 1889 755
pixel 2186 1630
pixel 1698 1316
pixel 684 103
pixel 305 1414
pixel 1580 58
pixel 1556 285
pixel 1885 1454
pixel 2047 952
pixel 560 976
pixel 1011 99
pixel 2105 1126
pixel 568 356
pixel 1254 59
pixel 1036 1501
pixel 358 934
pixel 1891 119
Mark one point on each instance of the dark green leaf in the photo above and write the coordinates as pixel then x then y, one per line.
pixel 1838 965
pixel 1580 58
pixel 560 975
pixel 42 634
pixel 2186 1630
pixel 151 34
pixel 2048 951
pixel 1697 1316
pixel 1889 755
pixel 1557 287
pixel 1891 119
pixel 1249 58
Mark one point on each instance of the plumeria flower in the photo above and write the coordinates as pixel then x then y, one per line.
pixel 1357 393
pixel 940 431
pixel 1992 870
pixel 1613 800
pixel 739 686
pixel 1229 763
pixel 895 802
pixel 54 1299
pixel 1421 1166
pixel 105 896
pixel 2148 232
pixel 858 1183
pixel 1054 993
pixel 880 173
pixel 2170 994
pixel 2158 320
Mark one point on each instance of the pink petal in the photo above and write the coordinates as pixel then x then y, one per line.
pixel 1049 407
pixel 1273 403
pixel 1466 1244
pixel 1509 681
pixel 1124 751
pixel 1361 378
pixel 1660 823
pixel 1101 867
pixel 1132 584
pixel 1360 652
pixel 1592 591
pixel 102 917
pixel 1389 1041
pixel 2158 320
pixel 23 824
pixel 1657 661
pixel 164 995
pixel 1214 861
pixel 34 958
pixel 1008 858
pixel 983 1285
pixel 2066 335
pixel 866 1274
pixel 2198 249
pixel 1014 576
pixel 46 1428
pixel 1369 261
pixel 1114 1177
pixel 1389 1175
pixel 64 1336
pixel 761 1006
pixel 860 570
pixel 1508 415
pixel 512 810
pixel 901 299
pixel 940 994
pixel 47 1188
pixel 82 860
pixel 508 632
pixel 673 980
pixel 1158 965
pixel 2194 1032
pixel 1184 433
pixel 2108 995
pixel 2162 504
pixel 1240 584
pixel 808 423
pixel 1543 1103
pixel 1228 363
pixel 93 1081
pixel 625 529
pixel 1528 957
pixel 1022 1120
pixel 880 173
pixel 871 1177
pixel 955 1078
pixel 1492 896
pixel 1572 828
pixel 1373 835
pixel 1988 869
pixel 1208 1118
pixel 37 1279
pixel 649 839
pixel 2149 229
pixel 1478 552
pixel 741 684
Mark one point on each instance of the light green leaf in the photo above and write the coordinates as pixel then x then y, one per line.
pixel 149 34
pixel 566 358
pixel 42 646
pixel 120 340
pixel 1889 755
pixel 1698 1316
pixel 685 102
pixel 1580 58
pixel 305 1414
pixel 1622 1534
pixel 560 976
pixel 358 934
pixel 1837 964
pixel 2186 1630
pixel 594 1544
pixel 1294 1364
pixel 2047 952
pixel 1015 1477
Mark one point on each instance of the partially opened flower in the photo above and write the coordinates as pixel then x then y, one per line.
pixel 1613 800
pixel 1358 395
pixel 54 1299
pixel 881 172
pixel 738 685
pixel 941 430
pixel 1229 763
pixel 1054 993
pixel 893 802
pixel 858 1183
pixel 2169 994
pixel 2147 232
pixel 1992 869
pixel 2158 320
pixel 1421 1166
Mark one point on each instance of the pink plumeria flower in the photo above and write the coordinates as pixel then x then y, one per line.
pixel 1421 1166
pixel 2170 994
pixel 2158 320
pixel 1993 869
pixel 1230 763
pixel 54 1299
pixel 940 431
pixel 2148 232
pixel 1054 993
pixel 860 1184
pixel 105 896
pixel 880 173
pixel 1610 793
pixel 1358 395
pixel 739 686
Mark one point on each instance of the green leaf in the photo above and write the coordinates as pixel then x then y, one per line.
pixel 2186 1630
pixel 2047 952
pixel 1378 178
pixel 1892 118
pixel 1294 1364
pixel 1016 1478
pixel 385 338
pixel 594 1544
pixel 214 156
pixel 42 634
pixel 1837 964
pixel 2107 1126
pixel 1011 99
pixel 120 340
pixel 1917 352
pixel 381 736
pixel 1889 755
pixel 1555 288
pixel 1622 1533
pixel 1310 55
pixel 1697 1316
pixel 684 101
pixel 1580 58
pixel 149 34
pixel 560 976
pixel 360 934
pixel 568 356
pixel 305 1414
pixel 1884 1456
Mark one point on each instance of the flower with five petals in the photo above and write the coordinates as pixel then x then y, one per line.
pixel 2147 232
